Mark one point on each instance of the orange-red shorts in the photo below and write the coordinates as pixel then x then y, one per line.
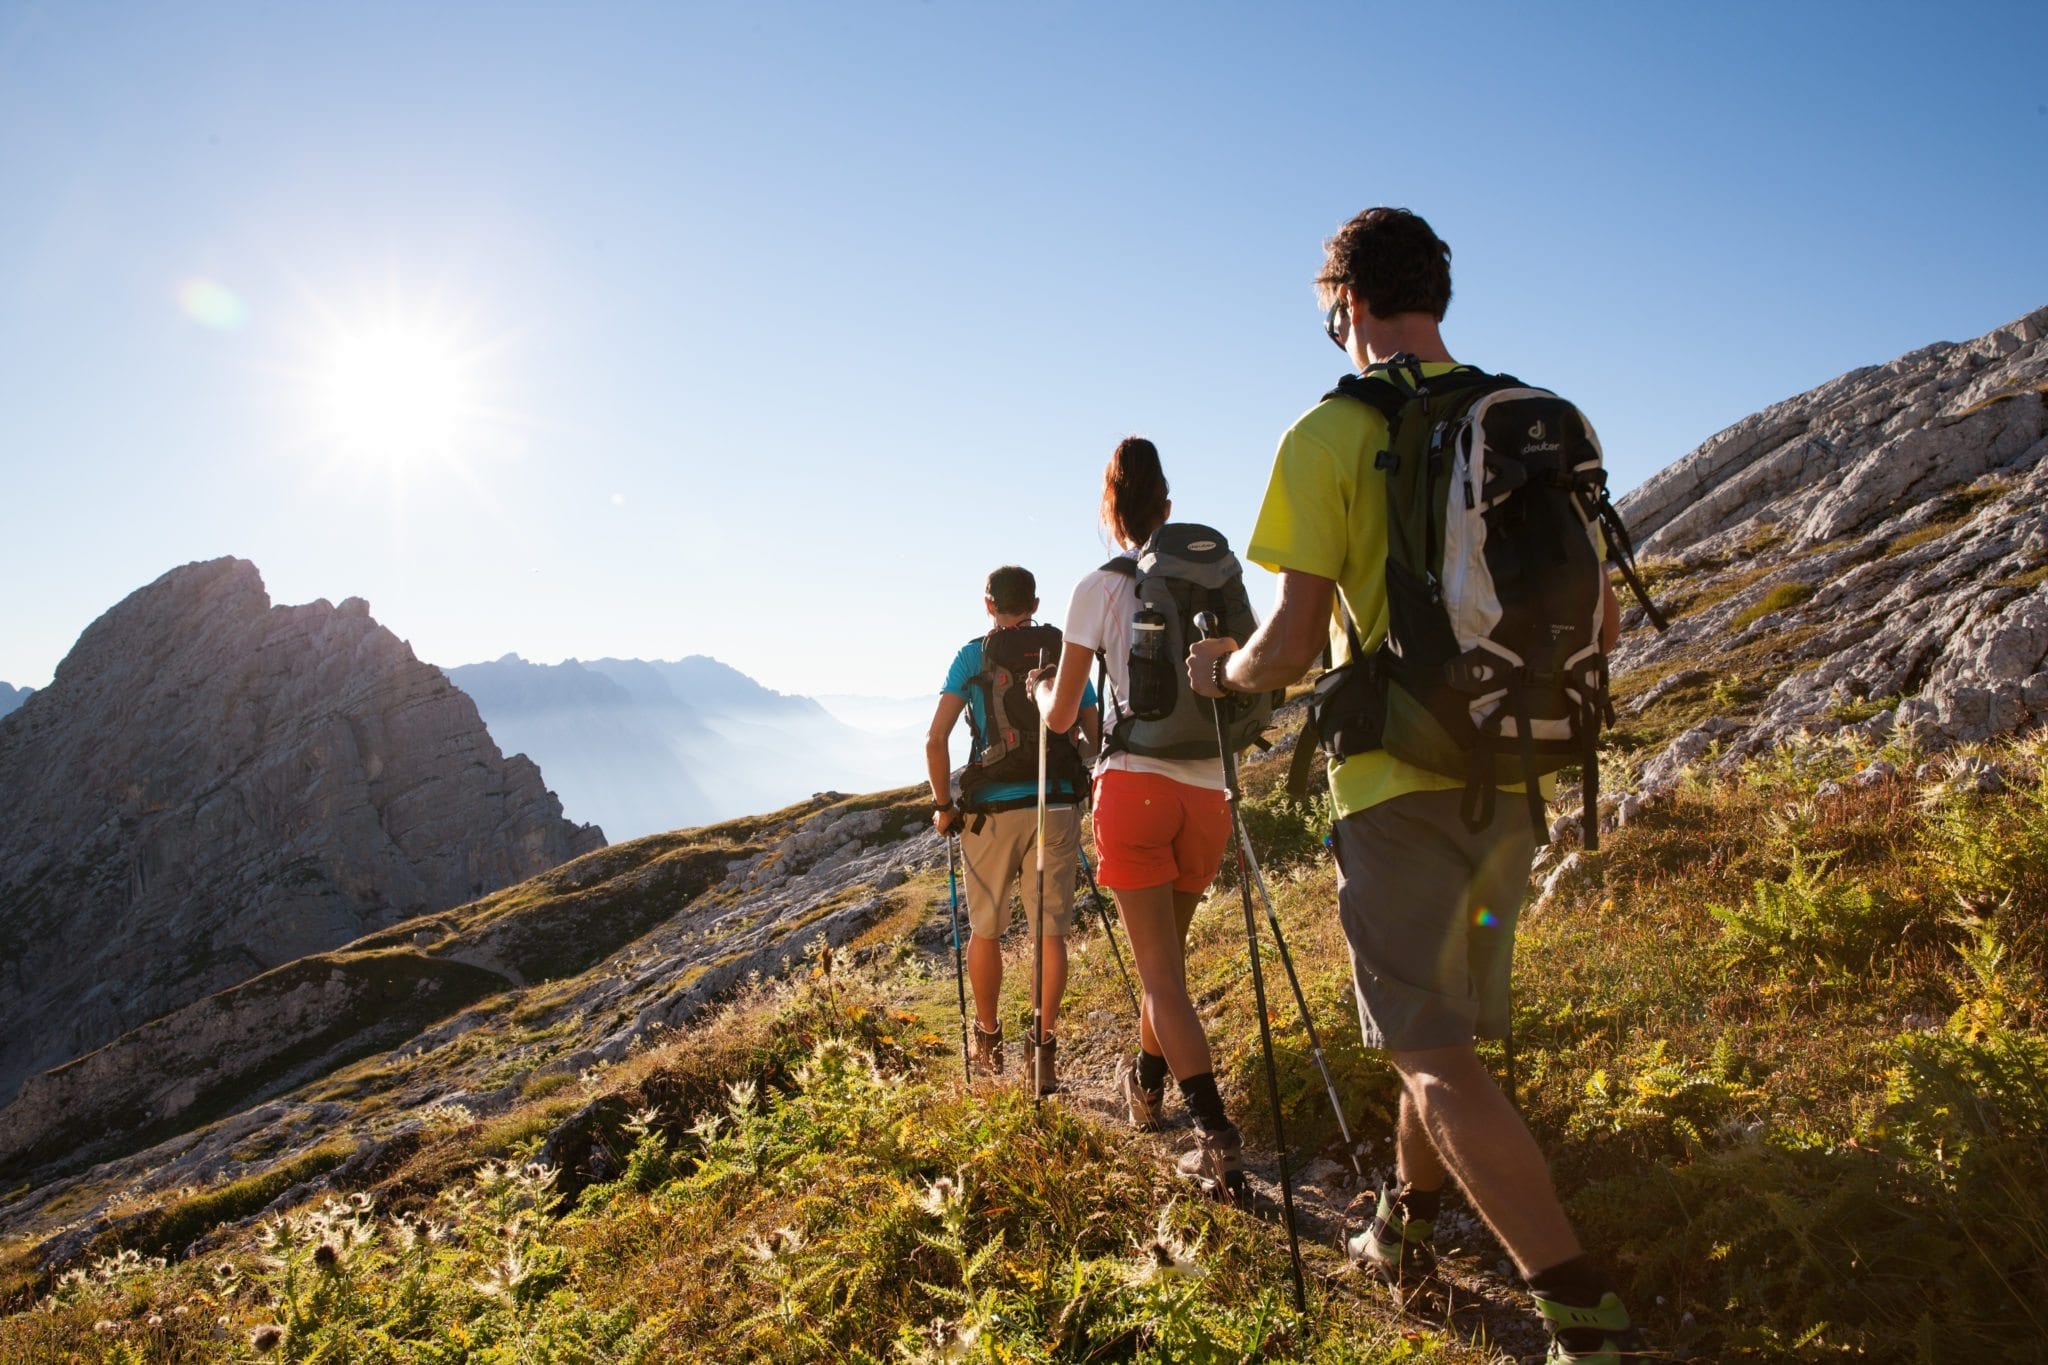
pixel 1151 830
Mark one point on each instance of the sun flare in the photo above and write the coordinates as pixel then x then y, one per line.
pixel 397 395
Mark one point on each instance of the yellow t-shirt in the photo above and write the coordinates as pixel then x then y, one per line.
pixel 1325 514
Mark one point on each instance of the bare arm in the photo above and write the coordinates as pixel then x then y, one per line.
pixel 1058 691
pixel 1280 650
pixel 938 757
pixel 1610 618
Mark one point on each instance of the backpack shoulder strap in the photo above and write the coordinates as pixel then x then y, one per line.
pixel 985 680
pixel 1374 391
pixel 1123 566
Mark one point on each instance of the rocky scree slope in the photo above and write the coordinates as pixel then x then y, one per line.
pixel 213 787
pixel 1870 554
pixel 463 1013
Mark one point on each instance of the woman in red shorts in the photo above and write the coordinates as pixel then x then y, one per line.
pixel 1161 826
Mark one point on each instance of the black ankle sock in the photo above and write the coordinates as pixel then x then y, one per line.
pixel 1151 1070
pixel 1204 1102
pixel 1421 1205
pixel 1577 1282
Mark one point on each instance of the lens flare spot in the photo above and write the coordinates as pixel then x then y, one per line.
pixel 211 304
pixel 1486 919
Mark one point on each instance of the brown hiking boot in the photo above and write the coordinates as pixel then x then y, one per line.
pixel 1147 1108
pixel 987 1055
pixel 1217 1160
pixel 1042 1068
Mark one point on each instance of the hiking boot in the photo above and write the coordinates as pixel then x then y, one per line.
pixel 1600 1335
pixel 987 1055
pixel 1395 1246
pixel 1217 1160
pixel 1043 1070
pixel 1147 1108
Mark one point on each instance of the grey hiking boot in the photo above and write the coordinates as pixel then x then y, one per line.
pixel 1217 1160
pixel 1395 1246
pixel 1600 1335
pixel 987 1055
pixel 1147 1108
pixel 1043 1067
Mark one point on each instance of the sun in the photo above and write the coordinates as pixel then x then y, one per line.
pixel 398 395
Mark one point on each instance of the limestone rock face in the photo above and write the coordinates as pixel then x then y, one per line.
pixel 1872 552
pixel 212 786
pixel 564 972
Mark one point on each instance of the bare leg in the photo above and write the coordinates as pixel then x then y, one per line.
pixel 985 972
pixel 1415 1158
pixel 1156 920
pixel 1481 1141
pixel 1055 981
pixel 1185 903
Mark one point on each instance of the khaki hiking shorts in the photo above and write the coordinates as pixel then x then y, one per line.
pixel 1429 909
pixel 1003 858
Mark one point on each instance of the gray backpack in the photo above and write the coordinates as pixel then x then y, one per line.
pixel 1183 570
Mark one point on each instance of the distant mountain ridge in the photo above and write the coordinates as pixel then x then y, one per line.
pixel 12 697
pixel 213 786
pixel 644 746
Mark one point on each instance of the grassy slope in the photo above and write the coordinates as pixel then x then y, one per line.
pixel 1790 1053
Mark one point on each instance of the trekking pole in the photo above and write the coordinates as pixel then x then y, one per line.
pixel 1315 1042
pixel 1108 927
pixel 959 970
pixel 1205 622
pixel 1038 936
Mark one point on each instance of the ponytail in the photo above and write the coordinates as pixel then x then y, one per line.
pixel 1133 492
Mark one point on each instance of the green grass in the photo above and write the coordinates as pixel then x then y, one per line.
pixel 1955 509
pixel 168 1229
pixel 1731 680
pixel 810 1184
pixel 1788 1056
pixel 1784 597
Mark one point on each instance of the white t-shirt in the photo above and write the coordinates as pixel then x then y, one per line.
pixel 1099 619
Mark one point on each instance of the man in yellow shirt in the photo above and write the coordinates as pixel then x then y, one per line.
pixel 1428 905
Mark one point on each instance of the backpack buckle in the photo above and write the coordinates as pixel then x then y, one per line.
pixel 1477 672
pixel 1386 459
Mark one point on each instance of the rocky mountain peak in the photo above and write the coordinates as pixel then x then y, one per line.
pixel 213 785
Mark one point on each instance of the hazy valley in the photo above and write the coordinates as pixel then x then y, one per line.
pixel 639 746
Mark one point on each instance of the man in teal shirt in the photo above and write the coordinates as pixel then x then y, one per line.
pixel 999 833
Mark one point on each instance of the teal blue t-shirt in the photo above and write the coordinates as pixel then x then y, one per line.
pixel 959 679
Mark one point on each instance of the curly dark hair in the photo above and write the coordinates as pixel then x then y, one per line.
pixel 1393 260
pixel 1012 589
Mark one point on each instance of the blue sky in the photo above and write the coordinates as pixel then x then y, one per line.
pixel 776 326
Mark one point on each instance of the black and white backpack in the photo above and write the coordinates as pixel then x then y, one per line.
pixel 1492 668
